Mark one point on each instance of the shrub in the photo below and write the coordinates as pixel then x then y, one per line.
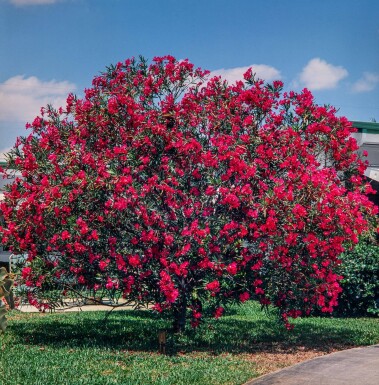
pixel 174 191
pixel 360 283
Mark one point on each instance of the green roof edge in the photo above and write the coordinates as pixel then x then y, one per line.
pixel 366 126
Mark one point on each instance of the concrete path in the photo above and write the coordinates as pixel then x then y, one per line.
pixel 26 308
pixel 359 366
pixel 32 309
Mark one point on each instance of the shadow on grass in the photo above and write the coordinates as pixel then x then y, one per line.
pixel 138 331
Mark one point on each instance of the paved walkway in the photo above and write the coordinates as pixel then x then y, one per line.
pixel 359 366
pixel 32 309
pixel 26 308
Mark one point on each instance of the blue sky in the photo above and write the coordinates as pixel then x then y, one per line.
pixel 49 48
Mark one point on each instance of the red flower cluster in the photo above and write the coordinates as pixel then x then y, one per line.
pixel 176 191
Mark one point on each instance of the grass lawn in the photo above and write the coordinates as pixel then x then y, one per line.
pixel 84 349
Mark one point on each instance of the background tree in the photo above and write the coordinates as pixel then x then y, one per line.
pixel 175 191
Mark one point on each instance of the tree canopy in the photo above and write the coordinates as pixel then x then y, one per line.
pixel 177 190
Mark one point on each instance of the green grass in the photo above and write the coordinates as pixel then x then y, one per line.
pixel 84 349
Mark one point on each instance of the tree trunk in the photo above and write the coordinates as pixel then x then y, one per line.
pixel 180 316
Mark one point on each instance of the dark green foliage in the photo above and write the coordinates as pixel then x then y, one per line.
pixel 360 269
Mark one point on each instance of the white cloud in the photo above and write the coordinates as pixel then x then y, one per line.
pixel 22 98
pixel 263 71
pixel 366 83
pixel 320 75
pixel 32 2
pixel 3 152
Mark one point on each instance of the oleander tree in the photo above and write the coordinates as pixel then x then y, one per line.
pixel 177 190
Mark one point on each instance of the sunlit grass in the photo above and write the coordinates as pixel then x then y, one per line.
pixel 85 349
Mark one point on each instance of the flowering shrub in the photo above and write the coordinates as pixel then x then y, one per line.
pixel 175 190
